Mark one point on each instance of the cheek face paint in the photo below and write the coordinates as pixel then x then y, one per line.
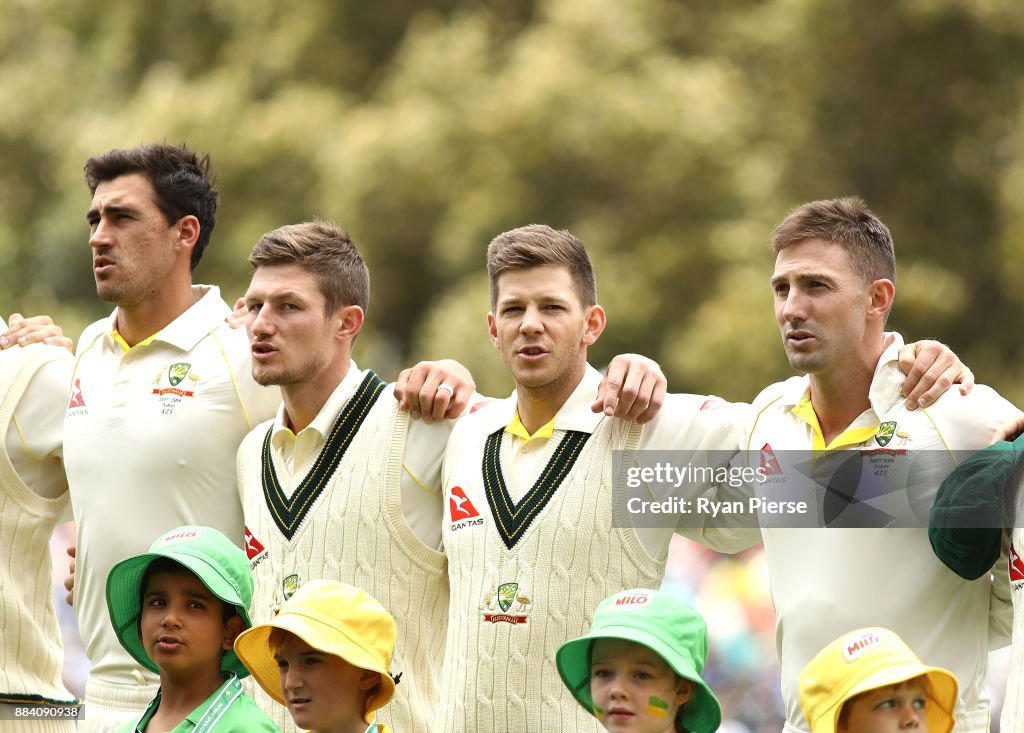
pixel 598 713
pixel 657 707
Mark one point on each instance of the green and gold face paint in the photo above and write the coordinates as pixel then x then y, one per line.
pixel 657 707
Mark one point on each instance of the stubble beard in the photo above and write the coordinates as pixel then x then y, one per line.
pixel 284 377
pixel 110 291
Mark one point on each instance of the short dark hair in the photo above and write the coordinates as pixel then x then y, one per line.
pixel 324 250
pixel 538 244
pixel 180 177
pixel 167 565
pixel 849 223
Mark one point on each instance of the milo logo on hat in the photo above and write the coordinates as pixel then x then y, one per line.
pixel 632 600
pixel 187 534
pixel 855 646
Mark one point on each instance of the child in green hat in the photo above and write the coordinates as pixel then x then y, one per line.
pixel 177 610
pixel 638 669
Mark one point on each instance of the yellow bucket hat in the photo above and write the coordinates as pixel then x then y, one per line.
pixel 867 659
pixel 334 618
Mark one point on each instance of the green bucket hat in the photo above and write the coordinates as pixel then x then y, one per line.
pixel 669 628
pixel 221 566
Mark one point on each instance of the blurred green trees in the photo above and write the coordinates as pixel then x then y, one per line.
pixel 670 136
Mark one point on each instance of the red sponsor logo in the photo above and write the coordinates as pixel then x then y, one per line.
pixel 769 463
pixel 640 599
pixel 857 645
pixel 77 400
pixel 252 545
pixel 1016 566
pixel 460 506
pixel 713 403
pixel 187 535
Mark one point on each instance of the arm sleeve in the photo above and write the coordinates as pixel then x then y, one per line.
pixel 701 435
pixel 34 439
pixel 422 504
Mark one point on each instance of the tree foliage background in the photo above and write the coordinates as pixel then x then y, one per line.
pixel 670 136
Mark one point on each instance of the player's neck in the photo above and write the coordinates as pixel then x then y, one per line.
pixel 840 393
pixel 304 400
pixel 136 322
pixel 839 400
pixel 538 405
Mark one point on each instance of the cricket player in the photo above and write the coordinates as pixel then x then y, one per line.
pixel 834 287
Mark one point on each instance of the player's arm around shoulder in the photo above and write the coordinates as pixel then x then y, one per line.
pixel 970 422
pixel 40 412
pixel 696 423
pixel 463 432
pixel 698 435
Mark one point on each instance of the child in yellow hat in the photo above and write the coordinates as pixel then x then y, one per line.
pixel 869 681
pixel 325 657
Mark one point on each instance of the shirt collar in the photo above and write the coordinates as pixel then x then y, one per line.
pixel 189 328
pixel 196 715
pixel 887 382
pixel 574 414
pixel 328 414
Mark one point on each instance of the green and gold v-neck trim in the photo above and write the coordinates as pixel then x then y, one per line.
pixel 288 513
pixel 512 519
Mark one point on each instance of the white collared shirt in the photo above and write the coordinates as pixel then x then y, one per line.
pixel 150 437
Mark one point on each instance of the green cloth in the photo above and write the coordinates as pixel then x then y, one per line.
pixel 965 525
pixel 241 715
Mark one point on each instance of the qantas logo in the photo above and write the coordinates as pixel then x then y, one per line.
pixel 252 545
pixel 77 400
pixel 462 511
pixel 769 463
pixel 1016 566
pixel 460 505
pixel 254 549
